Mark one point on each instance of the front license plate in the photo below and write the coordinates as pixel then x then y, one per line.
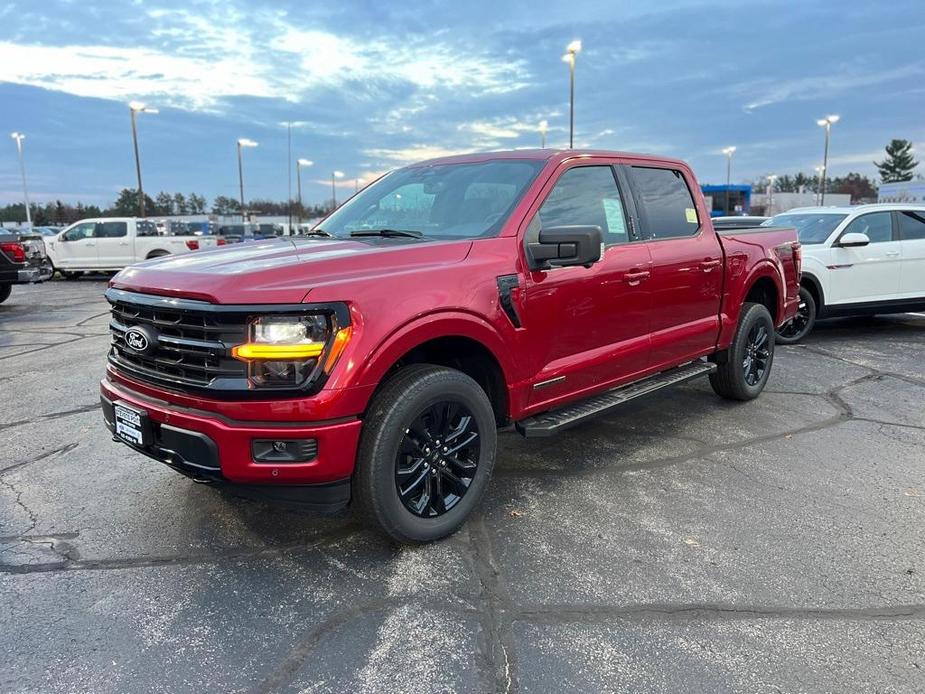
pixel 131 425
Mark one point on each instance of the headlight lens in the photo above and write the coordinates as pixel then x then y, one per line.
pixel 286 351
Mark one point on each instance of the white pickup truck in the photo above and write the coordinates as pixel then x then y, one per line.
pixel 112 243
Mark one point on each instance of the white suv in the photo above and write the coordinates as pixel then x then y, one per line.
pixel 857 260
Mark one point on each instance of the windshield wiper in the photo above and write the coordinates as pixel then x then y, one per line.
pixel 317 232
pixel 388 233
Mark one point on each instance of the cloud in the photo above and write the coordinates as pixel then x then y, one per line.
pixel 765 92
pixel 194 64
pixel 415 153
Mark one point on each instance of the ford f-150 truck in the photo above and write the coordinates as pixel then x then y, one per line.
pixel 373 362
pixel 112 243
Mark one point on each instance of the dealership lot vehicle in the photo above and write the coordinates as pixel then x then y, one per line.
pixel 684 541
pixel 451 297
pixel 112 243
pixel 860 260
pixel 19 263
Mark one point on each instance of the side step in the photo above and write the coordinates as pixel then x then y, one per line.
pixel 554 421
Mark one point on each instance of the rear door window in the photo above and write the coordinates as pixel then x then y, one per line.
pixel 587 196
pixel 666 204
pixel 912 225
pixel 111 230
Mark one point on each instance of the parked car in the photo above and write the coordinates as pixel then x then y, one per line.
pixel 372 363
pixel 17 264
pixel 112 243
pixel 33 243
pixel 859 260
pixel 738 222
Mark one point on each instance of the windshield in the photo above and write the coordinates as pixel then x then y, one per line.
pixel 444 201
pixel 811 227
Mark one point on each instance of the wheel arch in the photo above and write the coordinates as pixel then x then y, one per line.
pixel 455 340
pixel 812 283
pixel 765 286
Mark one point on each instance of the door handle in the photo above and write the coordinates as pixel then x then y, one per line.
pixel 709 265
pixel 634 277
pixel 891 254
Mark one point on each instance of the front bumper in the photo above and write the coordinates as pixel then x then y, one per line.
pixel 214 448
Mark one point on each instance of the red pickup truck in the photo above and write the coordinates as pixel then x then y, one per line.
pixel 372 361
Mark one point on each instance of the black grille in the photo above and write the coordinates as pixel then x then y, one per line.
pixel 193 342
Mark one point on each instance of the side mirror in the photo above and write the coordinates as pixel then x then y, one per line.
pixel 853 239
pixel 566 246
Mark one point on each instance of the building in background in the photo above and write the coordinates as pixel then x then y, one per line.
pixel 783 202
pixel 725 201
pixel 907 191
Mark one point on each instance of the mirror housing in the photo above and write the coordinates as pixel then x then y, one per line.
pixel 853 239
pixel 566 246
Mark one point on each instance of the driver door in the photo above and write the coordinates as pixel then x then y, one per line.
pixel 589 325
pixel 76 247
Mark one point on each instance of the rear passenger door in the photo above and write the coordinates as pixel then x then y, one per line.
pixel 912 241
pixel 114 244
pixel 687 266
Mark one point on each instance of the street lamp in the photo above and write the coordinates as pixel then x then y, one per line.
pixel 771 179
pixel 243 142
pixel 298 177
pixel 571 51
pixel 544 128
pixel 138 107
pixel 19 137
pixel 335 175
pixel 728 152
pixel 818 170
pixel 826 123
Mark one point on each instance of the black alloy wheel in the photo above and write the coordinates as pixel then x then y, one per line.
pixel 437 459
pixel 757 354
pixel 802 323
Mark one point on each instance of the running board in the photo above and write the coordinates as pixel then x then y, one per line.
pixel 554 421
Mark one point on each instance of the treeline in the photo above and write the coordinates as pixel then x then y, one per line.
pixel 859 187
pixel 163 204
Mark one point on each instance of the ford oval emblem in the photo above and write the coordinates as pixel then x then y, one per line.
pixel 142 339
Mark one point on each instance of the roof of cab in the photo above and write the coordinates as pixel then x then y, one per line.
pixel 553 155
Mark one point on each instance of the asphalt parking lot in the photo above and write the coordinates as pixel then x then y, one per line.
pixel 684 543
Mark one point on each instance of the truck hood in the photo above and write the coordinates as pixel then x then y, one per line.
pixel 283 270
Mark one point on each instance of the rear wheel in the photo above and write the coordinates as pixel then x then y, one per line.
pixel 802 323
pixel 5 290
pixel 70 275
pixel 748 364
pixel 426 453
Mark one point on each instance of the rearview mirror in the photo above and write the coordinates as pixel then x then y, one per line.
pixel 853 239
pixel 566 246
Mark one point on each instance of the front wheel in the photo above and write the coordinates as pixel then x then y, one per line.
pixel 748 364
pixel 800 325
pixel 426 453
pixel 5 290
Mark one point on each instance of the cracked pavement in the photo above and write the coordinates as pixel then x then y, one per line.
pixel 680 543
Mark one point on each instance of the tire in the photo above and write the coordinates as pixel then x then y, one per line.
pixel 5 290
pixel 70 275
pixel 800 325
pixel 741 376
pixel 401 430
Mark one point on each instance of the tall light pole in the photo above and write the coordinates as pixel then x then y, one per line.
pixel 335 175
pixel 19 137
pixel 243 142
pixel 728 152
pixel 819 171
pixel 544 128
pixel 826 123
pixel 138 107
pixel 571 51
pixel 771 179
pixel 298 177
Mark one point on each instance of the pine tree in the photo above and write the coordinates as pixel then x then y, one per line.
pixel 899 162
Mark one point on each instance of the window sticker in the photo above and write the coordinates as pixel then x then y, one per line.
pixel 613 211
pixel 691 214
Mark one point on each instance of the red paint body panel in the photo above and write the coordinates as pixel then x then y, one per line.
pixel 598 327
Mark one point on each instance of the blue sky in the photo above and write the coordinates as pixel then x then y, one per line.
pixel 372 85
